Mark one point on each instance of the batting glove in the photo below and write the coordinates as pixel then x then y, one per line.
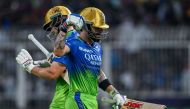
pixel 45 62
pixel 72 20
pixel 25 60
pixel 118 98
pixel 76 20
pixel 42 63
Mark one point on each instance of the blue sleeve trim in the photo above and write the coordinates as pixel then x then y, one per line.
pixel 62 60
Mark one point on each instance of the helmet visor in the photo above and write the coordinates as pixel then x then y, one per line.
pixel 53 28
pixel 97 33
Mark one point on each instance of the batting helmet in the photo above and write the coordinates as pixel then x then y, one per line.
pixel 53 12
pixel 94 16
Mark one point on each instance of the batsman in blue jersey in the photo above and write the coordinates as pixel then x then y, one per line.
pixel 83 59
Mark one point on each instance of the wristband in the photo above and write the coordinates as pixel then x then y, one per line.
pixel 104 84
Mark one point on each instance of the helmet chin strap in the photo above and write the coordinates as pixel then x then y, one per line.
pixel 91 35
pixel 96 37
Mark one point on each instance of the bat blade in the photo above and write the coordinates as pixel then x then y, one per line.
pixel 135 104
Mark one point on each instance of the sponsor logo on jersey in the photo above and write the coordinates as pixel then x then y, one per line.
pixel 85 50
pixel 93 59
pixel 89 55
pixel 97 48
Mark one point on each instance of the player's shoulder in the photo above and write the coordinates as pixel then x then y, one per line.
pixel 73 41
pixel 73 34
pixel 96 44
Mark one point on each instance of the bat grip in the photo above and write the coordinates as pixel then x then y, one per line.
pixel 107 100
pixel 39 45
pixel 115 107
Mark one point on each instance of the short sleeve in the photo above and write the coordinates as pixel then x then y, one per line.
pixel 63 59
pixel 72 44
pixel 73 34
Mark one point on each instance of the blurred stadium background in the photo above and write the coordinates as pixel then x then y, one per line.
pixel 147 55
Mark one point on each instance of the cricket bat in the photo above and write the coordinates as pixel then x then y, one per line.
pixel 46 52
pixel 39 45
pixel 135 104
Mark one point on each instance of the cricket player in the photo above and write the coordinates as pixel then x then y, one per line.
pixel 53 18
pixel 85 71
pixel 83 60
pixel 73 34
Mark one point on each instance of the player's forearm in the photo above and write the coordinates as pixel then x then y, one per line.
pixel 60 42
pixel 105 84
pixel 45 73
pixel 111 89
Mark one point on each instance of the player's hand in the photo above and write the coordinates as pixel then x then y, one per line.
pixel 42 63
pixel 45 62
pixel 75 20
pixel 25 60
pixel 72 20
pixel 50 57
pixel 119 99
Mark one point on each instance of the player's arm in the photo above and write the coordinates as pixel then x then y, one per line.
pixel 51 72
pixel 59 43
pixel 73 21
pixel 105 85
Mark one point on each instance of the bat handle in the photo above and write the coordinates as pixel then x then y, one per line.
pixel 38 44
pixel 116 107
pixel 107 100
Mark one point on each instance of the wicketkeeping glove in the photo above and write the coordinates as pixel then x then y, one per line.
pixel 25 60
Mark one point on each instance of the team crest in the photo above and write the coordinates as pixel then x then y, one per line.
pixel 97 48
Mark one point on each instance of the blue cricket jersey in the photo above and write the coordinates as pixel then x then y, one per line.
pixel 83 63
